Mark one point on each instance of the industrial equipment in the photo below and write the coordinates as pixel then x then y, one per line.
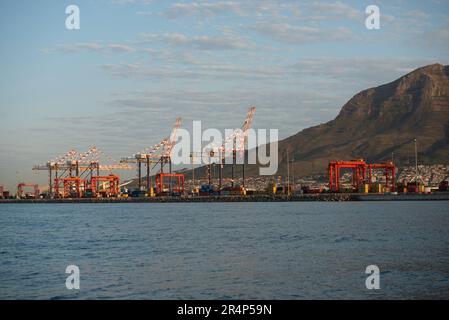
pixel 21 194
pixel 159 153
pixel 169 189
pixel 110 186
pixel 70 187
pixel 232 144
pixel 362 174
pixel 73 167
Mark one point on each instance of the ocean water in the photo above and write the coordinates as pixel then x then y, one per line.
pixel 294 250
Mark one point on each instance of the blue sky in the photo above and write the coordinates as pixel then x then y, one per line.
pixel 135 65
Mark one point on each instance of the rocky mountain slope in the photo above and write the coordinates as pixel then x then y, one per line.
pixel 378 122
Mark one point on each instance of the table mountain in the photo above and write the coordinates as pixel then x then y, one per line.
pixel 379 123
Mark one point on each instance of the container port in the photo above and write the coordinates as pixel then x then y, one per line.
pixel 76 176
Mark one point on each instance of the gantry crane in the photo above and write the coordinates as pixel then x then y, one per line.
pixel 240 136
pixel 20 191
pixel 359 173
pixel 160 153
pixel 74 171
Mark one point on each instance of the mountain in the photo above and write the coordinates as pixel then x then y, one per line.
pixel 376 124
pixel 380 121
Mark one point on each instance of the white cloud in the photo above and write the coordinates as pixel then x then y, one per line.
pixel 90 47
pixel 272 9
pixel 132 1
pixel 337 10
pixel 220 42
pixel 358 73
pixel 204 9
pixel 195 70
pixel 417 14
pixel 245 8
pixel 290 33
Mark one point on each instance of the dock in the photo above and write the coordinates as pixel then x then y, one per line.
pixel 324 197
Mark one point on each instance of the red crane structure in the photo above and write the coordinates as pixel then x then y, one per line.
pixel 70 187
pixel 358 173
pixel 237 141
pixel 111 189
pixel 160 153
pixel 362 173
pixel 177 189
pixel 74 171
pixel 389 171
pixel 21 193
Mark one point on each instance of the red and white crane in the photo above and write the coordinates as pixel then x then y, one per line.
pixel 232 144
pixel 73 171
pixel 160 153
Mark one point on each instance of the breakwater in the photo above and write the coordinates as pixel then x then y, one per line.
pixel 250 198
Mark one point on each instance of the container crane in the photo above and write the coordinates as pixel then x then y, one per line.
pixel 359 173
pixel 21 193
pixel 237 135
pixel 73 171
pixel 160 153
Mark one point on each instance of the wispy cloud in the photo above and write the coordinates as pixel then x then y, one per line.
pixel 306 10
pixel 204 9
pixel 357 73
pixel 335 10
pixel 296 34
pixel 200 42
pixel 132 1
pixel 247 8
pixel 90 47
pixel 364 71
pixel 196 70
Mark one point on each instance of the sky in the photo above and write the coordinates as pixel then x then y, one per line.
pixel 119 82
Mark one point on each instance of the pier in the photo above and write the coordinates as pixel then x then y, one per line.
pixel 325 197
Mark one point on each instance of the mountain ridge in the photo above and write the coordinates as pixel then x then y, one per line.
pixel 382 120
pixel 377 124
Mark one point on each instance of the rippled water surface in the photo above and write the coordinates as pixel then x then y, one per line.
pixel 225 250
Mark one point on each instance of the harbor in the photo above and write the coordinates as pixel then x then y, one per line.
pixel 224 159
pixel 79 177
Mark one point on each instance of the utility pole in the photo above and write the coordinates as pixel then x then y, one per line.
pixel 416 161
pixel 139 174
pixel 193 171
pixel 234 156
pixel 288 174
pixel 209 169
pixel 148 175
pixel 220 182
pixel 293 171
